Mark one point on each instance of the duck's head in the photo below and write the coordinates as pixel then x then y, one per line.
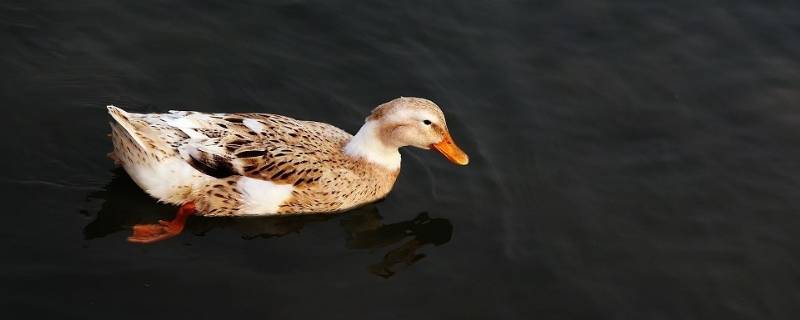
pixel 404 122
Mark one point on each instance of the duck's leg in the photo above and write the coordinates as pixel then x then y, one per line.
pixel 150 233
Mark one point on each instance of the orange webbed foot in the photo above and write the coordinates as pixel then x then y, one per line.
pixel 150 233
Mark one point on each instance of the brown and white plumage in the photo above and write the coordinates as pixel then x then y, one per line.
pixel 260 164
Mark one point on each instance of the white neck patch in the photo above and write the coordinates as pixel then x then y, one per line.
pixel 368 145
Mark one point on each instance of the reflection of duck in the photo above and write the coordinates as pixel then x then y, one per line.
pixel 423 229
pixel 125 205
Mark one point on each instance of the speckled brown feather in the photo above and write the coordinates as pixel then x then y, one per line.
pixel 305 154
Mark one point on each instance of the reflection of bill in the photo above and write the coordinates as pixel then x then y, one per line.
pixel 422 230
pixel 124 205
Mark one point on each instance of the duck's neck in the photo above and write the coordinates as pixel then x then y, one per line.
pixel 367 144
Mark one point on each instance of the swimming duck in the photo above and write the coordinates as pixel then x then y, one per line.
pixel 253 164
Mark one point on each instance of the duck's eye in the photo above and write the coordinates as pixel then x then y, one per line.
pixel 426 122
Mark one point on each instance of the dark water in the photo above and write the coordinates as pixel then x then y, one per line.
pixel 630 160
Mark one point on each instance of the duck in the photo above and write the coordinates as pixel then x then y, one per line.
pixel 260 164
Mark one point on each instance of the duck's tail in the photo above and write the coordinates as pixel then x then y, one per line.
pixel 123 121
pixel 134 140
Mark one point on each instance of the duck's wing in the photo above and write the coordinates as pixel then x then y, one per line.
pixel 262 146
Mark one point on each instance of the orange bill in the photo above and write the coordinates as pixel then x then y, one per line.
pixel 450 150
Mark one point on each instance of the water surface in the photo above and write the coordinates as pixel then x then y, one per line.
pixel 629 160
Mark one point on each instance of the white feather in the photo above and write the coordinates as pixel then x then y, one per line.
pixel 167 179
pixel 253 125
pixel 187 122
pixel 262 197
pixel 368 145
